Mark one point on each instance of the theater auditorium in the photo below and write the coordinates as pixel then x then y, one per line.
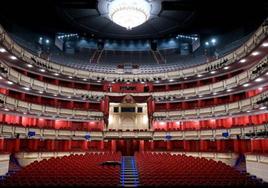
pixel 133 93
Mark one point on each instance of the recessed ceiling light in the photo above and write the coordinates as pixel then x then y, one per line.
pixel 29 65
pixel 212 72
pixel 255 53
pixel 225 68
pixel 265 44
pixel 2 50
pixel 6 109
pixel 84 79
pixel 242 60
pixel 41 92
pixel 69 97
pixel 70 77
pixel 248 111
pixel 263 107
pixel 13 57
pixel 24 113
pixel 98 81
pixel 171 80
pixel 56 74
pixel 142 82
pixel 199 75
pixel 42 70
pixel 229 90
pixel 246 85
pixel 26 88
pixel 9 82
pixel 258 80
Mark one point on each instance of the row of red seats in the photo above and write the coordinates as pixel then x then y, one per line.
pixel 76 170
pixel 162 169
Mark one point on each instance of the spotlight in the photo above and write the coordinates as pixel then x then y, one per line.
pixel 255 53
pixel 242 60
pixel 13 57
pixel 258 80
pixel 213 41
pixel 265 44
pixel 2 50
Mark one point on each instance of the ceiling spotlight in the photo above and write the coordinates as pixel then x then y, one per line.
pixel 213 41
pixel 258 80
pixel 263 107
pixel 255 53
pixel 42 70
pixel 40 92
pixel 246 85
pixel 70 77
pixel 9 82
pixel 84 79
pixel 265 44
pixel 212 72
pixel 26 88
pixel 242 60
pixel 171 80
pixel 56 74
pixel 260 88
pixel 13 57
pixel 248 111
pixel 226 68
pixel 6 109
pixel 215 93
pixel 69 97
pixel 2 50
pixel 199 75
pixel 229 90
pixel 29 65
pixel 207 43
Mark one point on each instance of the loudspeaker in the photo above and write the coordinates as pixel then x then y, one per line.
pixel 154 45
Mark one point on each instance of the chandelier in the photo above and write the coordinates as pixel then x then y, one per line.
pixel 129 13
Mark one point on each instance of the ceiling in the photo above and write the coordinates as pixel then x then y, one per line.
pixel 176 17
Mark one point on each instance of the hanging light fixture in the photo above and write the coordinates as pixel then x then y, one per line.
pixel 130 13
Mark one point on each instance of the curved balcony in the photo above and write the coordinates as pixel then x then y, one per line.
pixel 239 53
pixel 8 131
pixel 236 82
pixel 13 106
pixel 248 105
